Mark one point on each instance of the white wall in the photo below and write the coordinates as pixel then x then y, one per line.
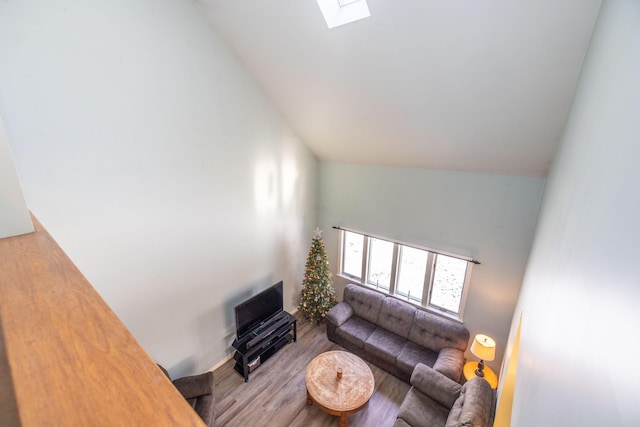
pixel 14 215
pixel 580 300
pixel 157 164
pixel 489 217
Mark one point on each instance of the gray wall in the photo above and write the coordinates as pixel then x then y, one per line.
pixel 157 164
pixel 580 301
pixel 14 216
pixel 489 217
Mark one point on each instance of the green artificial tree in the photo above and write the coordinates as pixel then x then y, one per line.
pixel 317 295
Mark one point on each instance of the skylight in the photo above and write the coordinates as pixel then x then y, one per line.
pixel 339 12
pixel 346 2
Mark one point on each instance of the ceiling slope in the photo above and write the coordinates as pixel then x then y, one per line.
pixel 479 86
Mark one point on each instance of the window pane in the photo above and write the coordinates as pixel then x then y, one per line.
pixel 352 254
pixel 380 260
pixel 448 281
pixel 411 271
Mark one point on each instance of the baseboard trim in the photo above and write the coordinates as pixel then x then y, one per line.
pixel 222 362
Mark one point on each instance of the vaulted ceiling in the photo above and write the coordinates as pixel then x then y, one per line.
pixel 470 85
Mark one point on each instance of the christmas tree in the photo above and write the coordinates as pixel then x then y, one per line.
pixel 317 295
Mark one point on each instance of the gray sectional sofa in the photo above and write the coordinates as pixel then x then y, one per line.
pixel 396 335
pixel 436 401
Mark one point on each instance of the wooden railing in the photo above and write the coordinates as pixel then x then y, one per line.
pixel 65 357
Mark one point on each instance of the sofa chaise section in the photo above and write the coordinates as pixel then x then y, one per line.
pixel 435 400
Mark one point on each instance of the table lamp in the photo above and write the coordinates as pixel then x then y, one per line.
pixel 484 348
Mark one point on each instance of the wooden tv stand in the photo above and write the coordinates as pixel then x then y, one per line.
pixel 263 342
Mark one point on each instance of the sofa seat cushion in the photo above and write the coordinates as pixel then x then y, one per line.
pixel 418 410
pixel 411 355
pixel 475 405
pixel 356 330
pixel 384 345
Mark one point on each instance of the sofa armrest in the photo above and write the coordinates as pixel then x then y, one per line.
pixel 450 363
pixel 196 385
pixel 340 313
pixel 434 385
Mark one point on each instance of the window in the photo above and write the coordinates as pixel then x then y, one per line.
pixel 380 263
pixel 448 282
pixel 340 12
pixel 352 244
pixel 412 273
pixel 435 281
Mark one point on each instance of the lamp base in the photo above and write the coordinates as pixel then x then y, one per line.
pixel 480 372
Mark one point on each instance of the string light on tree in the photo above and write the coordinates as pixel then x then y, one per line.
pixel 317 295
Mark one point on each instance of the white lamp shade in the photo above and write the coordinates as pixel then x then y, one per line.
pixel 483 347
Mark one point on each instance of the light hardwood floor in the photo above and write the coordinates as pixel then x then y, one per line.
pixel 66 359
pixel 276 396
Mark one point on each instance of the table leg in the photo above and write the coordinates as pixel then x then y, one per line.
pixel 343 421
pixel 309 401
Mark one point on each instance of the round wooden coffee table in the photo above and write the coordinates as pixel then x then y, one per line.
pixel 340 383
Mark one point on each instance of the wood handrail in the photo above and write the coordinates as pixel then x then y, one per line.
pixel 66 357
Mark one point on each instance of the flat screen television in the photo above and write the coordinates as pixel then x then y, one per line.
pixel 258 309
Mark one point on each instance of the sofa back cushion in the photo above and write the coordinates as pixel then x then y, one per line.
pixel 475 405
pixel 396 316
pixel 435 386
pixel 365 303
pixel 435 333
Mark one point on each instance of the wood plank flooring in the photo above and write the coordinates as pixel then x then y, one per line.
pixel 276 395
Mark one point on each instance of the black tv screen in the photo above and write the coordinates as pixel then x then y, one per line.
pixel 258 309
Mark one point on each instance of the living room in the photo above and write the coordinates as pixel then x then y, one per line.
pixel 164 171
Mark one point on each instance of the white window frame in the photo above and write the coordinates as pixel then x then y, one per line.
pixel 429 274
pixel 394 264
